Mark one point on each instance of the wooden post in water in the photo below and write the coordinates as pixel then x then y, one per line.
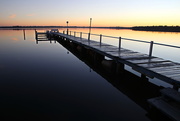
pixel 100 39
pixel 81 35
pixel 151 48
pixel 89 36
pixel 24 34
pixel 36 34
pixel 70 33
pixel 74 34
pixel 119 43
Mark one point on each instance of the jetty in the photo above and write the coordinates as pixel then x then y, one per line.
pixel 146 64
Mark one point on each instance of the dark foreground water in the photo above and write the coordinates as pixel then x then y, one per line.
pixel 45 81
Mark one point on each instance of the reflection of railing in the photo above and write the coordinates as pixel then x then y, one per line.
pixel 121 38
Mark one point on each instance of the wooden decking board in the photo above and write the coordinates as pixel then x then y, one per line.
pixel 171 93
pixel 175 71
pixel 135 57
pixel 165 69
pixel 93 43
pixel 106 48
pixel 154 62
pixel 174 76
pixel 129 55
pixel 153 65
pixel 109 48
pixel 165 107
pixel 147 60
pixel 123 53
pixel 176 79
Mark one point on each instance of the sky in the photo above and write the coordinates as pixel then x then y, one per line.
pixel 124 13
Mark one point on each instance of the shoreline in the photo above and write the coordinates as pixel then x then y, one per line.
pixel 135 28
pixel 42 27
pixel 157 28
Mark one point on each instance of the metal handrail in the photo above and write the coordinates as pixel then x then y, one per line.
pixel 121 38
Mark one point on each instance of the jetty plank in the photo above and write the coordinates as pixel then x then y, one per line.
pixel 166 69
pixel 171 93
pixel 147 60
pixel 158 64
pixel 165 107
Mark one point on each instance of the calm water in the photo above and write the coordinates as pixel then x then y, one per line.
pixel 46 81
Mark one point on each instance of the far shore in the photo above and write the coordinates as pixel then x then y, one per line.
pixel 42 27
pixel 136 28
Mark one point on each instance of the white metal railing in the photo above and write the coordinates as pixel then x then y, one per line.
pixel 73 33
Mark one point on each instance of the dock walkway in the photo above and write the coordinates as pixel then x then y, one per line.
pixel 154 67
pixel 165 70
pixel 150 66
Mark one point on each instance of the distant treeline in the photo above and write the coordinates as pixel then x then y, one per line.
pixel 36 27
pixel 138 28
pixel 157 28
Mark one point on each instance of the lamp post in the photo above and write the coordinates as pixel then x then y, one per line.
pixel 67 26
pixel 90 25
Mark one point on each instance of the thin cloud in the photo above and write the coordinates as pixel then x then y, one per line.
pixel 12 16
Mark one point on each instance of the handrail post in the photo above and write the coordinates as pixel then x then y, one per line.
pixel 74 34
pixel 151 48
pixel 89 36
pixel 63 32
pixel 119 43
pixel 70 33
pixel 100 39
pixel 81 35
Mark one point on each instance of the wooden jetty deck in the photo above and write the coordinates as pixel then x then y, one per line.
pixel 168 103
pixel 147 65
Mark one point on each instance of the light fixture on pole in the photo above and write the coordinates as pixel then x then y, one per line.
pixel 90 29
pixel 90 25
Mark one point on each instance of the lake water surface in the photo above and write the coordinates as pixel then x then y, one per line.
pixel 45 81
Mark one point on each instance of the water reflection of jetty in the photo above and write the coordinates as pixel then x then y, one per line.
pixel 94 54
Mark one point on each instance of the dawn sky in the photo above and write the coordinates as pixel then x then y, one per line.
pixel 78 12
